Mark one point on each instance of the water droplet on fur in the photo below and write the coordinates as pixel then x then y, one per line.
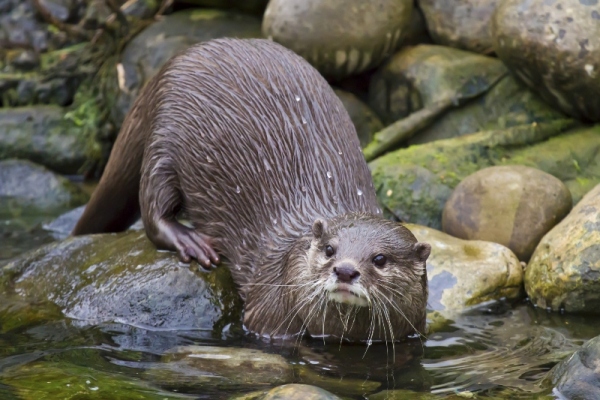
pixel 238 267
pixel 243 242
pixel 329 175
pixel 208 159
pixel 369 342
pixel 359 192
pixel 274 221
pixel 303 189
pixel 378 211
pixel 297 98
pixel 340 152
pixel 303 121
pixel 335 199
pixel 238 189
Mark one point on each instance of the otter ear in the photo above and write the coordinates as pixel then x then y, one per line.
pixel 319 228
pixel 422 250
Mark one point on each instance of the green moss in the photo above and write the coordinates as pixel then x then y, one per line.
pixel 63 380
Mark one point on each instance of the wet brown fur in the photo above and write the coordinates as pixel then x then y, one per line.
pixel 251 143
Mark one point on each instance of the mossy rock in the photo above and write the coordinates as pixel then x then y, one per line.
pixel 420 76
pixel 506 104
pixel 123 278
pixel 69 381
pixel 564 270
pixel 573 156
pixel 45 135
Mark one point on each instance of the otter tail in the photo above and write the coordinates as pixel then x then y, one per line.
pixel 114 205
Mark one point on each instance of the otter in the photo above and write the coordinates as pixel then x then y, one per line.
pixel 251 144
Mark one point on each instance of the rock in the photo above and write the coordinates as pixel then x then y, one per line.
pixel 256 7
pixel 123 278
pixel 364 119
pixel 62 10
pixel 226 367
pixel 564 271
pixel 298 392
pixel 43 135
pixel 578 376
pixel 464 24
pixel 25 60
pixel 573 157
pixel 464 273
pixel 423 195
pixel 418 77
pixel 402 394
pixel 62 226
pixel 508 103
pixel 24 184
pixel 140 8
pixel 554 47
pixel 512 205
pixel 51 379
pixel 339 38
pixel 152 48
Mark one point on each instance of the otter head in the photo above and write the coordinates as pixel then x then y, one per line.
pixel 366 262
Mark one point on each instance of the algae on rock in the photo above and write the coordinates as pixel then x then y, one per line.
pixel 571 156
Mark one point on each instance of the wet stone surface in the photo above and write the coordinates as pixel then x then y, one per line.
pixel 564 270
pixel 339 38
pixel 464 24
pixel 464 273
pixel 554 47
pixel 511 205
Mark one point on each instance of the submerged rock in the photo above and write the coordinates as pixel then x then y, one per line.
pixel 573 157
pixel 339 38
pixel 50 379
pixel 554 47
pixel 43 135
pixel 25 185
pixel 364 119
pixel 123 278
pixel 152 48
pixel 250 6
pixel 564 271
pixel 464 273
pixel 418 77
pixel 512 205
pixel 298 392
pixel 578 376
pixel 225 367
pixel 464 23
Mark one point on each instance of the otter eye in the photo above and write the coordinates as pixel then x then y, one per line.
pixel 379 260
pixel 329 251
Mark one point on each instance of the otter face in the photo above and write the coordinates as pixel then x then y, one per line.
pixel 359 259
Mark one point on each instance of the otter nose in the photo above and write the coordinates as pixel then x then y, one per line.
pixel 346 274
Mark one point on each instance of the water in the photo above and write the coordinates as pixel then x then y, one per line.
pixel 495 351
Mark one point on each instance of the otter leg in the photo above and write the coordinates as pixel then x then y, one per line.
pixel 160 201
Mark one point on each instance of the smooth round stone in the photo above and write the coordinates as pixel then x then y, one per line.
pixel 299 392
pixel 339 38
pixel 564 270
pixel 511 205
pixel 460 23
pixel 464 273
pixel 554 47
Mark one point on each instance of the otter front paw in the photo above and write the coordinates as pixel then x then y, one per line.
pixel 191 244
pixel 185 241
